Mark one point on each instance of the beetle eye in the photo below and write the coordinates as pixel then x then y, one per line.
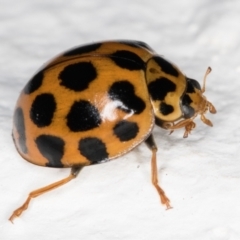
pixel 187 110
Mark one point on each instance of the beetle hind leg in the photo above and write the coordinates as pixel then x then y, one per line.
pixel 40 191
pixel 164 199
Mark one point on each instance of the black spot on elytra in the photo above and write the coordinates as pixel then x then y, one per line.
pixel 42 109
pixel 159 88
pixel 34 83
pixel 187 110
pixel 83 116
pixel 165 109
pixel 191 84
pixel 166 66
pixel 126 130
pixel 82 49
pixel 124 92
pixel 93 149
pixel 52 148
pixel 128 60
pixel 78 76
pixel 136 44
pixel 19 124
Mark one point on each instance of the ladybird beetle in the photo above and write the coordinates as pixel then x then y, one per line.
pixel 97 102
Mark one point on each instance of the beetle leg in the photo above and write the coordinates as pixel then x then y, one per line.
pixel 40 191
pixel 212 109
pixel 188 128
pixel 151 144
pixel 188 124
pixel 206 121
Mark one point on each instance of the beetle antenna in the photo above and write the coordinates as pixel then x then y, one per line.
pixel 204 79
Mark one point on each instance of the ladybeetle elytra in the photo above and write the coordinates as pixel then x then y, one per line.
pixel 99 101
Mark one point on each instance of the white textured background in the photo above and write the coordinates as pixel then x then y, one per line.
pixel 201 174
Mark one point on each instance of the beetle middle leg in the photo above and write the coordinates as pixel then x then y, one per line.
pixel 151 144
